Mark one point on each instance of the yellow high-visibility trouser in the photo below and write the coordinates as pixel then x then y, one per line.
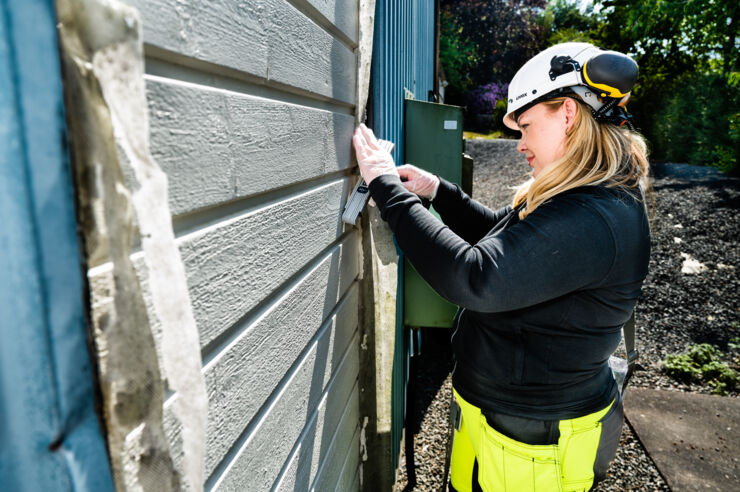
pixel 507 465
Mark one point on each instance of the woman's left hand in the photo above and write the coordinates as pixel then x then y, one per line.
pixel 418 181
pixel 373 160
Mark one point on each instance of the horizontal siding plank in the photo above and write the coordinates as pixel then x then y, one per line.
pixel 269 39
pixel 304 55
pixel 234 266
pixel 222 31
pixel 343 14
pixel 260 459
pixel 332 432
pixel 242 379
pixel 218 146
pixel 350 467
pixel 342 446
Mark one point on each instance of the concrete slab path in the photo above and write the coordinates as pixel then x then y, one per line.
pixel 694 439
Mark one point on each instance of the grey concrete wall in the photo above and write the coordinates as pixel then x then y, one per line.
pixel 252 109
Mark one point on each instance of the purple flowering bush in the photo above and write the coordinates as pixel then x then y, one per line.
pixel 483 99
pixel 486 106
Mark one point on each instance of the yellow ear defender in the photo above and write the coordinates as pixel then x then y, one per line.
pixel 612 74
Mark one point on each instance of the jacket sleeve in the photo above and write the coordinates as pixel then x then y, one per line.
pixel 467 218
pixel 561 247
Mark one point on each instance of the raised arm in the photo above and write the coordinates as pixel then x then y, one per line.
pixel 560 247
pixel 467 218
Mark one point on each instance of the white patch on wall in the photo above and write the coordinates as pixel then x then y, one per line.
pixel 450 124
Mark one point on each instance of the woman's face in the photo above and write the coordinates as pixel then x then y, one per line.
pixel 543 133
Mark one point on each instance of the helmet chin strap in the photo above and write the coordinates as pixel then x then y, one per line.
pixel 603 112
pixel 613 113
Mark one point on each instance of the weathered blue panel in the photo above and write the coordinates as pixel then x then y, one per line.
pixel 403 63
pixel 50 437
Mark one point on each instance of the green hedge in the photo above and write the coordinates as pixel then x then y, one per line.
pixel 699 122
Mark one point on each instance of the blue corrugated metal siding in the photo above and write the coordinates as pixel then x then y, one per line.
pixel 50 438
pixel 403 59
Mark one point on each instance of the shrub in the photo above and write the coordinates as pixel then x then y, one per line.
pixel 483 99
pixel 486 107
pixel 681 368
pixel 702 363
pixel 734 343
pixel 699 122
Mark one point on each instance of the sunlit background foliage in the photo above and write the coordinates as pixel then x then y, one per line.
pixel 686 101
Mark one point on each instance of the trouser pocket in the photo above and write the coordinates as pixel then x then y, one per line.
pixel 512 466
pixel 508 465
pixel 581 441
pixel 577 455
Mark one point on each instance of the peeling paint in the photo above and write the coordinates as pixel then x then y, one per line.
pixel 109 134
pixel 378 303
pixel 363 448
pixel 364 53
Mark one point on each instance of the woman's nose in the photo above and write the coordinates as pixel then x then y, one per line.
pixel 521 146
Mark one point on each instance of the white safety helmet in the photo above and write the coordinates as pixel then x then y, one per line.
pixel 603 80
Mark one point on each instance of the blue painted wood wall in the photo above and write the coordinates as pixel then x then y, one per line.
pixel 50 437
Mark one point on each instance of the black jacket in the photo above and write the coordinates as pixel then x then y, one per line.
pixel 542 300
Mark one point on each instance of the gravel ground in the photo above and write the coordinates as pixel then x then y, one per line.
pixel 696 214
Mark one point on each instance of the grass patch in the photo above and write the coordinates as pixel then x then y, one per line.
pixel 704 364
pixel 486 136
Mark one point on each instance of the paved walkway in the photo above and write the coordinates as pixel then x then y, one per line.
pixel 694 439
pixel 688 172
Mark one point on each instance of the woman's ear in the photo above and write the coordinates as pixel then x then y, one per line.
pixel 570 108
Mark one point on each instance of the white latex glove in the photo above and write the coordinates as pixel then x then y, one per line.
pixel 419 181
pixel 372 159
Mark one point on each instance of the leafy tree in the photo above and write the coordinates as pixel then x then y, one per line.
pixel 700 122
pixel 676 43
pixel 495 38
pixel 687 98
pixel 563 21
pixel 457 55
pixel 674 35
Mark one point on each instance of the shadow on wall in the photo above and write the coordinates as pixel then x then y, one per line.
pixel 330 437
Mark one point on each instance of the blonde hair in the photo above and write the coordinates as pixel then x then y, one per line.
pixel 596 154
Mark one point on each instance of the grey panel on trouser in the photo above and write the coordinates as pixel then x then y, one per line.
pixel 611 428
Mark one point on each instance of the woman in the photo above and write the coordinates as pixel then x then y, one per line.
pixel 545 285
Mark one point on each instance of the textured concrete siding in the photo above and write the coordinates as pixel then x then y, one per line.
pixel 251 107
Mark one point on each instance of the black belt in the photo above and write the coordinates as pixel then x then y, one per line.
pixel 522 429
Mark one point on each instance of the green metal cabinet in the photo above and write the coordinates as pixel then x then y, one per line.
pixel 433 141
